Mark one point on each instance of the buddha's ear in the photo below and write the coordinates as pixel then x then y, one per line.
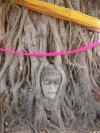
pixel 43 64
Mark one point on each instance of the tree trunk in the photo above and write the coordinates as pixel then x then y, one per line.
pixel 71 78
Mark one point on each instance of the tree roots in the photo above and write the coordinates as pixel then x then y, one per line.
pixel 29 31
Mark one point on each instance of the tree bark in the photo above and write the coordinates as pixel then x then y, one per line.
pixel 28 31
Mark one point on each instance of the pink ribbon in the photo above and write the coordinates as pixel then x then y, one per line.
pixel 83 49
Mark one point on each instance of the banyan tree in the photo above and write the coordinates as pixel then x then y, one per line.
pixel 48 93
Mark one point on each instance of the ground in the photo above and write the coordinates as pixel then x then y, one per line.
pixel 25 128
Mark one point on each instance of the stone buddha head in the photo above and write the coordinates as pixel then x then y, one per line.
pixel 50 81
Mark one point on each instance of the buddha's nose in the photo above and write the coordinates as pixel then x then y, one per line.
pixel 52 89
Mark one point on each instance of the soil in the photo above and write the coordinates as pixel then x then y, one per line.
pixel 25 128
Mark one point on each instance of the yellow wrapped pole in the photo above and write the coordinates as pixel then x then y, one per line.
pixel 62 13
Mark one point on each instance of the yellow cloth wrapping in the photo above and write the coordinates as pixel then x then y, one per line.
pixel 62 13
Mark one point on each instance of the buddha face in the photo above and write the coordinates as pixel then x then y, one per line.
pixel 50 82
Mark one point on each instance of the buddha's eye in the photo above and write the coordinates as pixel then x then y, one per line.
pixel 57 82
pixel 46 82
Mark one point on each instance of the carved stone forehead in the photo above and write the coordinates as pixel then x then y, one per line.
pixel 50 70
